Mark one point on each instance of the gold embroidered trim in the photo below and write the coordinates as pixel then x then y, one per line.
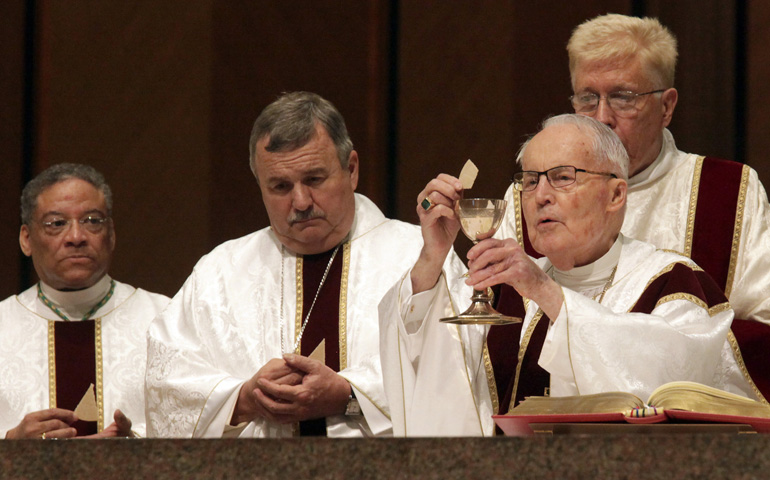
pixel 737 230
pixel 522 352
pixel 344 307
pixel 742 366
pixel 490 378
pixel 51 365
pixel 689 297
pixel 693 205
pixel 716 309
pixel 667 269
pixel 517 217
pixel 299 300
pixel 99 373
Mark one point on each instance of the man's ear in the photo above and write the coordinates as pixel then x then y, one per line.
pixel 669 100
pixel 618 191
pixel 26 248
pixel 353 168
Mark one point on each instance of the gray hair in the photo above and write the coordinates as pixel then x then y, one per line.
pixel 607 147
pixel 57 174
pixel 615 37
pixel 290 123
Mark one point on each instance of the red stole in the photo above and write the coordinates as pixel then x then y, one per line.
pixel 324 319
pixel 75 353
pixel 716 212
pixel 505 354
pixel 715 242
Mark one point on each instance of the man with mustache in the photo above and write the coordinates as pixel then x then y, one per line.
pixel 602 311
pixel 77 337
pixel 275 334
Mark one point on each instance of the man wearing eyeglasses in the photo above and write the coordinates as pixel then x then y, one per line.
pixel 603 312
pixel 73 346
pixel 713 211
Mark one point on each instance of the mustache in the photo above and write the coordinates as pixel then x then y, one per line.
pixel 305 215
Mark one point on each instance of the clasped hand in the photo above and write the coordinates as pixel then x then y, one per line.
pixel 292 389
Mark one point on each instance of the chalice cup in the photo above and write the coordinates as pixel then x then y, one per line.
pixel 480 218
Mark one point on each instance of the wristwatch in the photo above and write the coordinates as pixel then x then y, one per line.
pixel 353 408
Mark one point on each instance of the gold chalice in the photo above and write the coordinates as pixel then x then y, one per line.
pixel 480 218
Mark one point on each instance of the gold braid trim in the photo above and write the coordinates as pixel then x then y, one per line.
pixel 668 268
pixel 742 366
pixel 716 309
pixel 343 320
pixel 300 296
pixel 517 217
pixel 682 296
pixel 99 373
pixel 491 379
pixel 693 205
pixel 737 230
pixel 522 352
pixel 51 365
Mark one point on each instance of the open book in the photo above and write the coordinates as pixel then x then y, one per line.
pixel 675 401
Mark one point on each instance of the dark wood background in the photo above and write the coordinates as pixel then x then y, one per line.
pixel 160 96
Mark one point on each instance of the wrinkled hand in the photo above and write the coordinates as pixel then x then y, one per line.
pixel 439 225
pixel 493 262
pixel 54 422
pixel 120 427
pixel 321 393
pixel 249 405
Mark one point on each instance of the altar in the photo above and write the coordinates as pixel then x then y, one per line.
pixel 665 456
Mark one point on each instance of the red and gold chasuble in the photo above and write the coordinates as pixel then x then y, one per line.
pixel 327 320
pixel 74 364
pixel 714 226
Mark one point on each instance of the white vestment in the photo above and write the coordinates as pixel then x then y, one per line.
pixel 437 375
pixel 24 354
pixel 227 321
pixel 658 212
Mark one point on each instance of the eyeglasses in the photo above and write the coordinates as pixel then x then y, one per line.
pixel 558 177
pixel 619 102
pixel 91 223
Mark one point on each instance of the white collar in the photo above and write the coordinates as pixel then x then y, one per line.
pixel 77 303
pixel 593 275
pixel 666 161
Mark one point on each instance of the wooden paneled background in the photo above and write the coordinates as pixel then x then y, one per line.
pixel 160 96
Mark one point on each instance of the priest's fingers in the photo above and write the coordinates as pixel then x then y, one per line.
pixel 275 368
pixel 121 427
pixel 277 392
pixel 294 378
pixel 442 190
pixel 123 423
pixel 68 432
pixel 275 410
pixel 34 424
pixel 303 364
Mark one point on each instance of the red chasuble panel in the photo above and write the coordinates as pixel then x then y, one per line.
pixel 75 350
pixel 324 319
pixel 712 238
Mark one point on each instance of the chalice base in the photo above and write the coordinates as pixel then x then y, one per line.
pixel 481 313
